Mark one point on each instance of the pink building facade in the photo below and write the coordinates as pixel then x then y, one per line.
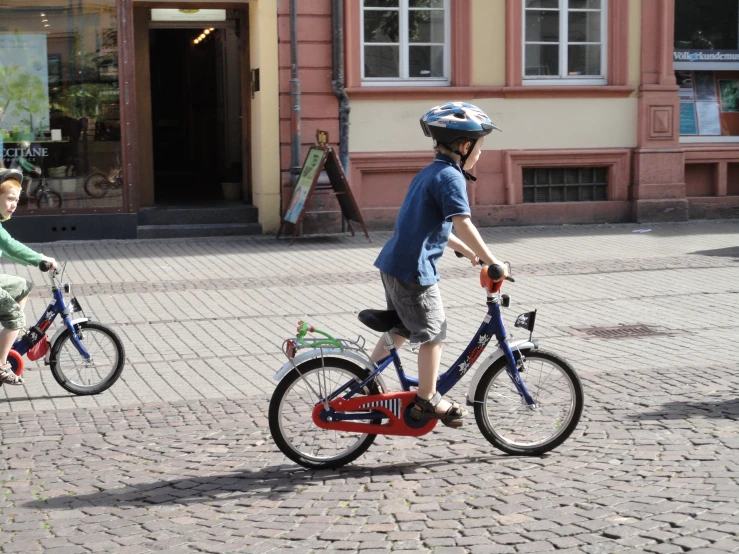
pixel 592 95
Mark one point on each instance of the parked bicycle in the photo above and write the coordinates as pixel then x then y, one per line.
pixel 97 183
pixel 85 357
pixel 331 402
pixel 43 196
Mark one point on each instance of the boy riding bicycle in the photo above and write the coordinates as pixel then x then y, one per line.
pixel 13 290
pixel 436 201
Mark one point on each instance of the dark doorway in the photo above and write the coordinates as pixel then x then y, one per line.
pixel 189 88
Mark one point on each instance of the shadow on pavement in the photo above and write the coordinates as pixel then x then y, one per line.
pixel 684 410
pixel 270 483
pixel 31 398
pixel 732 252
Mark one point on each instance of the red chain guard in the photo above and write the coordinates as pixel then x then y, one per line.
pixel 391 404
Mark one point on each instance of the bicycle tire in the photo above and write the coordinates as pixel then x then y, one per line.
pixel 97 184
pixel 49 200
pixel 509 437
pixel 72 384
pixel 321 439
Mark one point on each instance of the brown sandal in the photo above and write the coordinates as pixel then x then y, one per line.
pixel 426 409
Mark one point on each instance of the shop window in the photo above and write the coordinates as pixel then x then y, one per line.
pixel 59 102
pixel 565 42
pixel 709 104
pixel 706 60
pixel 405 42
pixel 706 26
pixel 565 184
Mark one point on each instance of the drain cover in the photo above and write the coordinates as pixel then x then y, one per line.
pixel 620 332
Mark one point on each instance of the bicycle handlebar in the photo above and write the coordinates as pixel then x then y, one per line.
pixel 495 271
pixel 44 266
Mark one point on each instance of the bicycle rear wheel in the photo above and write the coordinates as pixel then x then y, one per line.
pixel 83 377
pixel 49 199
pixel 290 414
pixel 97 184
pixel 510 424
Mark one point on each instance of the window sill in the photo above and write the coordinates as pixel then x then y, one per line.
pixel 708 139
pixel 568 91
pixel 451 92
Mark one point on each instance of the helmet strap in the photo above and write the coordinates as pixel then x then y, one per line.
pixel 467 155
pixel 462 157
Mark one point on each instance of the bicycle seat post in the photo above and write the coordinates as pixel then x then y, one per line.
pixel 389 342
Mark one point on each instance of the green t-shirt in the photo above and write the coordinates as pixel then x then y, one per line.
pixel 14 250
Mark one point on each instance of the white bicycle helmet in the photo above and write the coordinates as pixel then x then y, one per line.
pixel 455 120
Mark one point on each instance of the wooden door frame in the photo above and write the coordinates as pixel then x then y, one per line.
pixel 127 93
pixel 129 111
pixel 246 96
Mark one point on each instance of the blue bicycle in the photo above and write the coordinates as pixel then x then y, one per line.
pixel 331 401
pixel 85 357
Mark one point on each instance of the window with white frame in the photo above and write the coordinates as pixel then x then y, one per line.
pixel 565 41
pixel 405 42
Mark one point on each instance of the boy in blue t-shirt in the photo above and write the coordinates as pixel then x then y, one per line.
pixel 436 201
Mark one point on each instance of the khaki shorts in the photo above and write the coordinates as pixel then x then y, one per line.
pixel 419 308
pixel 13 289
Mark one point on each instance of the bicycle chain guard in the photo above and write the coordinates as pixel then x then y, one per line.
pixel 393 405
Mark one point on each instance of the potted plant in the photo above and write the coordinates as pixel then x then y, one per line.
pixel 231 191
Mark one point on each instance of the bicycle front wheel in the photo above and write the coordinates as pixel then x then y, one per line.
pixel 49 199
pixel 291 421
pixel 97 184
pixel 83 377
pixel 510 424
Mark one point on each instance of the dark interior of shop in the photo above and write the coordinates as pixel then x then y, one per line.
pixel 184 114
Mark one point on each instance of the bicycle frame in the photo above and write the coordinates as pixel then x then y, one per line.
pixel 492 326
pixel 23 344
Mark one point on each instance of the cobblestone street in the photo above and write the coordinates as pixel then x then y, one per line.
pixel 177 456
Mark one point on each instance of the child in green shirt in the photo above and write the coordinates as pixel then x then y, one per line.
pixel 13 289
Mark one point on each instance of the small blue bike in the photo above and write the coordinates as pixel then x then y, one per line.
pixel 85 357
pixel 331 401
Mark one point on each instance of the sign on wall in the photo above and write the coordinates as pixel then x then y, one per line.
pixel 696 56
pixel 321 157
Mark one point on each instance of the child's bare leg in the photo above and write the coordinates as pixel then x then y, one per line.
pixel 380 352
pixel 429 359
pixel 8 336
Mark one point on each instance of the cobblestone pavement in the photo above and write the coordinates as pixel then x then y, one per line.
pixel 177 456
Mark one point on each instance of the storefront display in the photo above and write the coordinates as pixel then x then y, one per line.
pixel 706 61
pixel 59 96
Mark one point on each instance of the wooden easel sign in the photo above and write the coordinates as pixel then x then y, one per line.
pixel 321 157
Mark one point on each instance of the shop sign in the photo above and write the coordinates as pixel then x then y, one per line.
pixel 706 56
pixel 25 152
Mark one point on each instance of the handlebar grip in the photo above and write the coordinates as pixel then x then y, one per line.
pixel 495 272
pixel 44 266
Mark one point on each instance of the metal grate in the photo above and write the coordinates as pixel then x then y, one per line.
pixel 621 332
pixel 565 184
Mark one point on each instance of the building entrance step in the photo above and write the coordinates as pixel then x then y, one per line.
pixel 198 230
pixel 192 215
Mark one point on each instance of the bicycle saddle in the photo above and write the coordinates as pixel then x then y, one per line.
pixel 379 320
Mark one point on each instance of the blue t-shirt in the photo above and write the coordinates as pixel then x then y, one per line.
pixel 436 194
